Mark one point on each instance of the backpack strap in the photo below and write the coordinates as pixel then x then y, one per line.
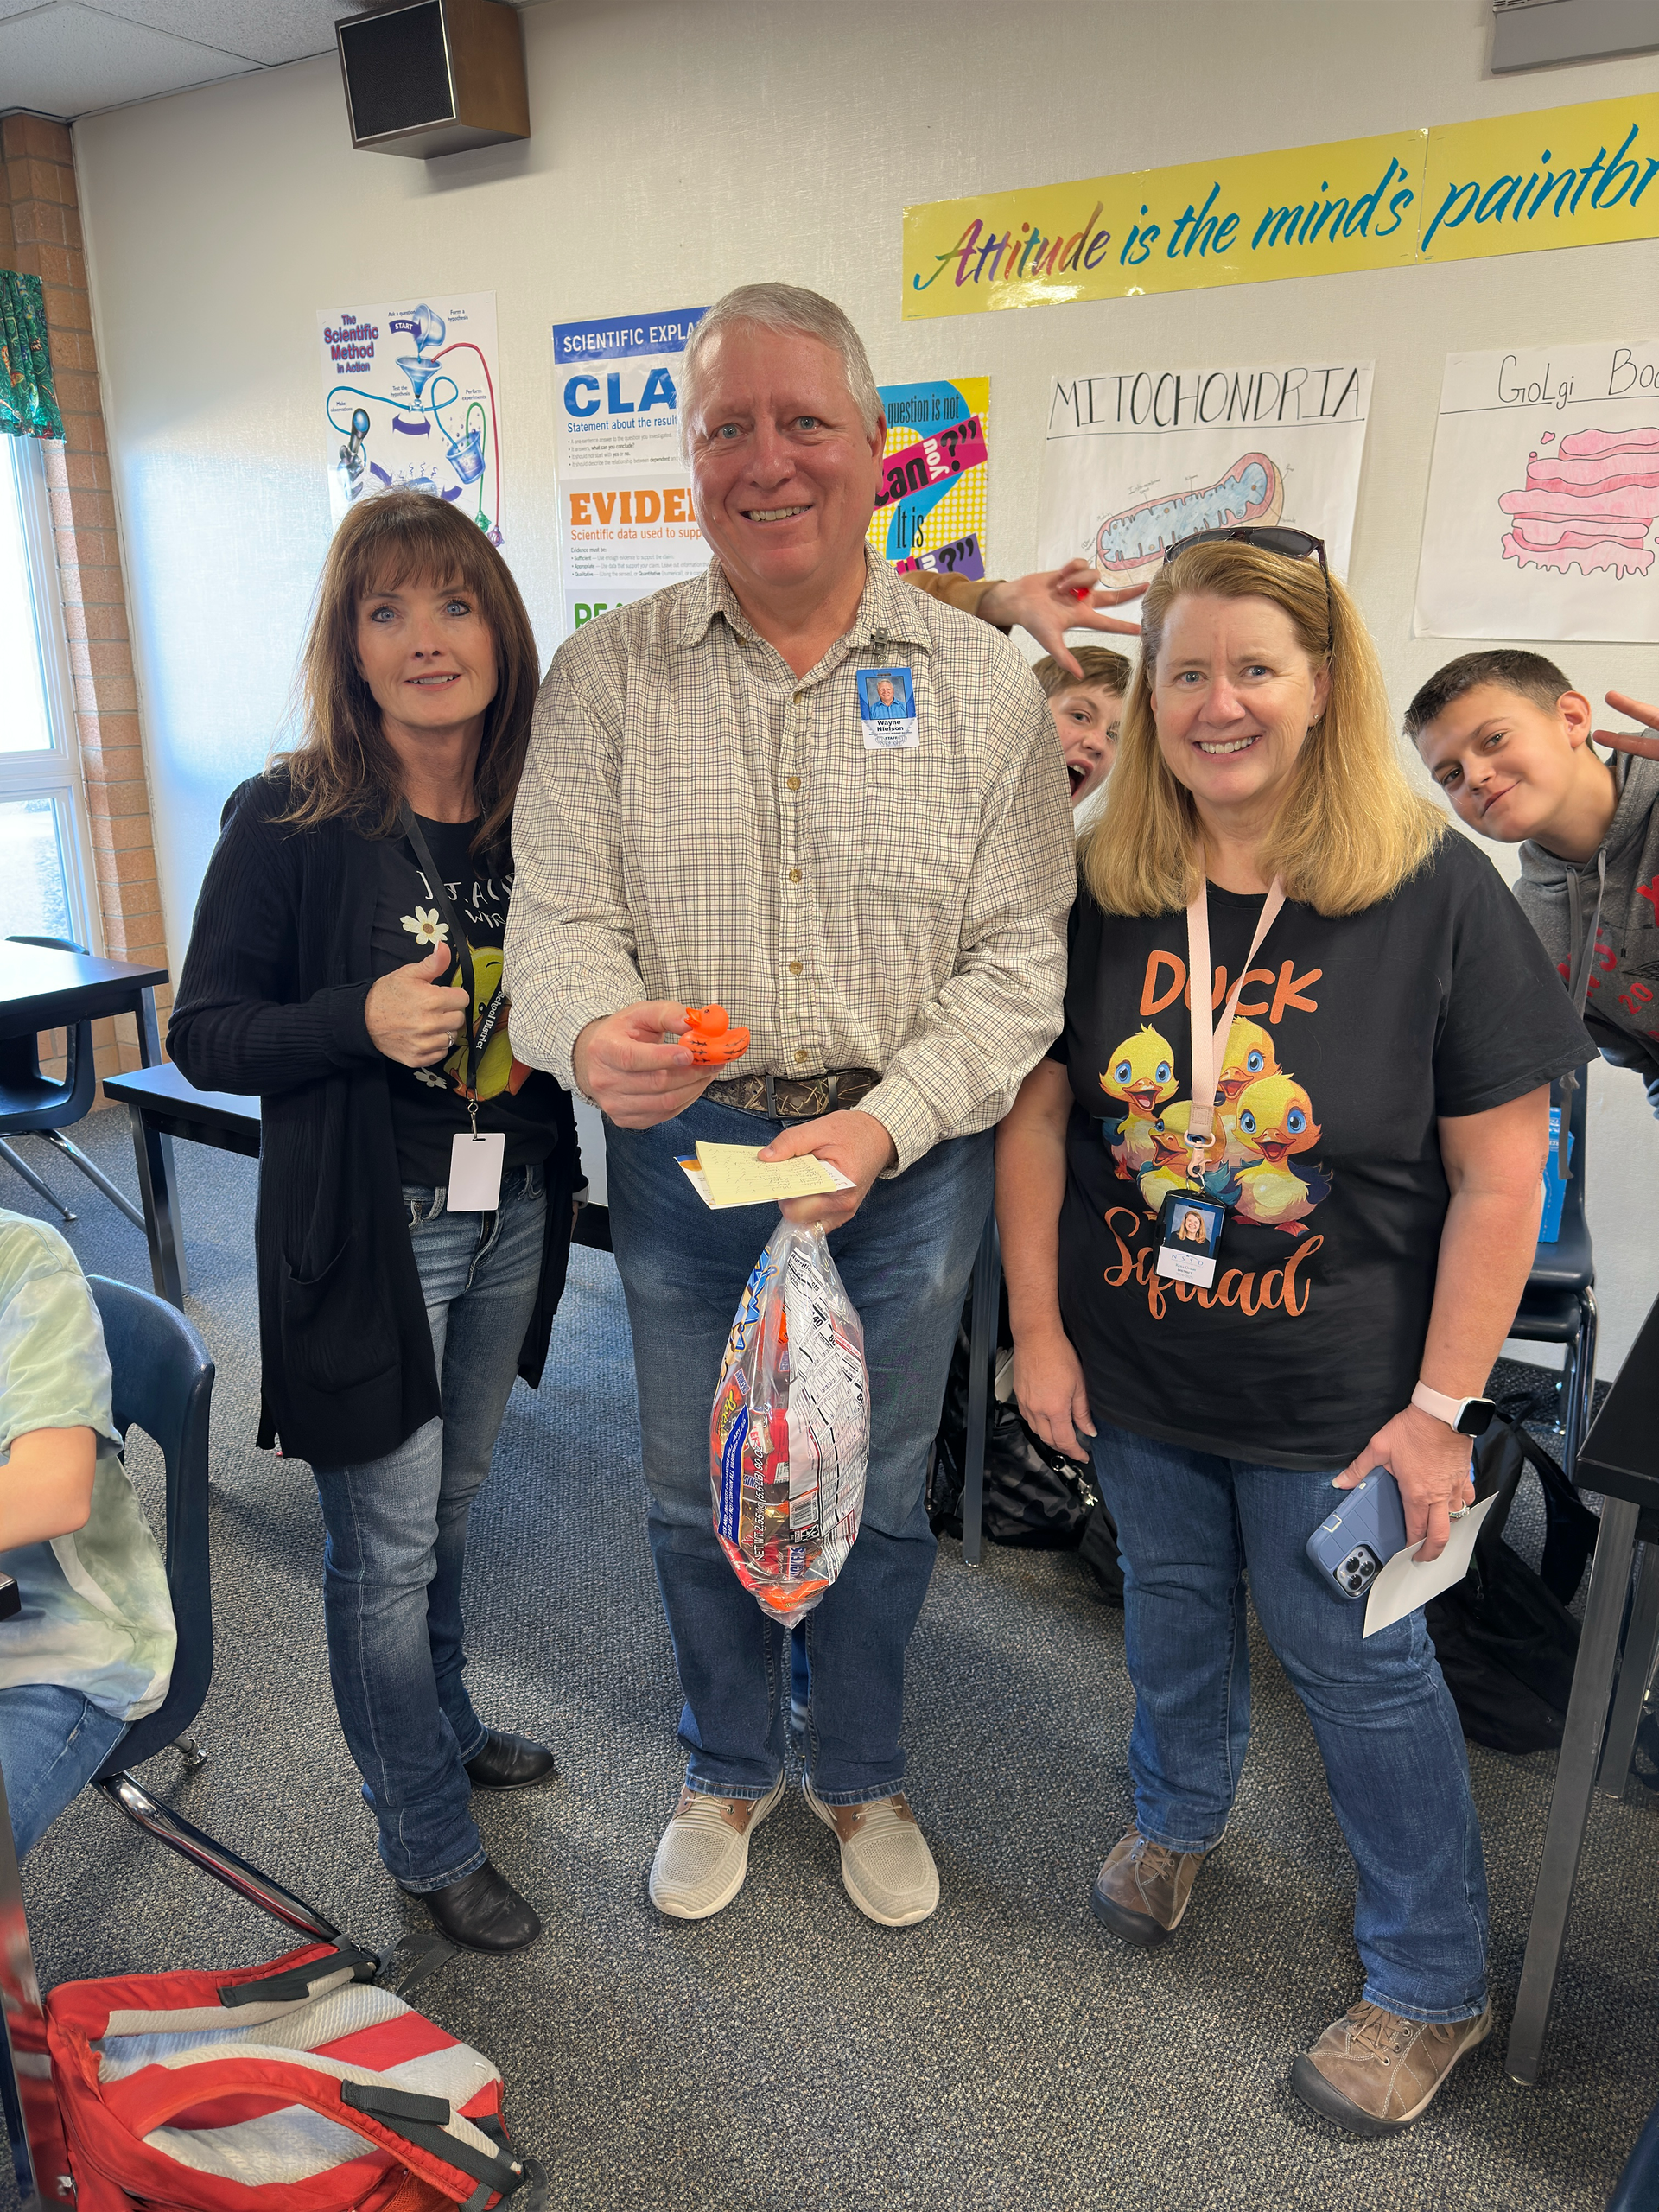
pixel 298 1984
pixel 422 2121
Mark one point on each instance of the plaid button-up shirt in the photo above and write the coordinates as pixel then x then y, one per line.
pixel 696 822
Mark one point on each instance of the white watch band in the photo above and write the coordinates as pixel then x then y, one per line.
pixel 1450 1410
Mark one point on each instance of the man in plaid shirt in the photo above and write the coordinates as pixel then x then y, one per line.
pixel 710 812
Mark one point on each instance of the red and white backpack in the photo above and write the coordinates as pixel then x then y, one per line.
pixel 294 2086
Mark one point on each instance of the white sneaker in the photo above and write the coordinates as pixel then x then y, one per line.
pixel 885 1861
pixel 704 1853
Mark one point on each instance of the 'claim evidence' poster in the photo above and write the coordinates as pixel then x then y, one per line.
pixel 409 396
pixel 627 527
pixel 932 510
pixel 1136 460
pixel 1542 496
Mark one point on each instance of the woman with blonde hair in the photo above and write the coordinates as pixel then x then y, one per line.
pixel 415 1179
pixel 1283 961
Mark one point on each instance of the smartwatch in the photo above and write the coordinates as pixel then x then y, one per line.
pixel 1469 1416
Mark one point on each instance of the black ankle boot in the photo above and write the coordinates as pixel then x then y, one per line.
pixel 482 1911
pixel 510 1762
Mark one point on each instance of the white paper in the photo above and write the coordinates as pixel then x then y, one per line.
pixel 475 1164
pixel 411 390
pixel 1137 458
pixel 1542 496
pixel 1404 1584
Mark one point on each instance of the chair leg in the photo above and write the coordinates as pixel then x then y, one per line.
pixel 16 1160
pixel 95 1173
pixel 190 1752
pixel 1584 1396
pixel 214 1857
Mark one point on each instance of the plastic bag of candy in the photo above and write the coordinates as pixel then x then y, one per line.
pixel 789 1438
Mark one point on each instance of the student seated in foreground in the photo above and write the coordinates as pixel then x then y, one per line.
pixel 1086 705
pixel 92 1647
pixel 1508 740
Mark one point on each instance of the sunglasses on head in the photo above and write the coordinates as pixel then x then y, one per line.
pixel 1293 544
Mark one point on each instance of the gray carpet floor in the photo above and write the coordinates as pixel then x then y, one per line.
pixel 1006 2055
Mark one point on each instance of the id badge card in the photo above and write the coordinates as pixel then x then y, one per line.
pixel 475 1163
pixel 886 709
pixel 1189 1237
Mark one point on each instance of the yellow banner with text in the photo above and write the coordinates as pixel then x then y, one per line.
pixel 1565 176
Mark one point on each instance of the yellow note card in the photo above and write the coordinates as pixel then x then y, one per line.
pixel 737 1176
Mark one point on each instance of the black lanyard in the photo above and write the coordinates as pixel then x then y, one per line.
pixel 478 1032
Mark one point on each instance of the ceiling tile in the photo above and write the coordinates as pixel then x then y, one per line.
pixel 70 60
pixel 268 31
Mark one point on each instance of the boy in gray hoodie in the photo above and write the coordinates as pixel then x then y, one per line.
pixel 1507 739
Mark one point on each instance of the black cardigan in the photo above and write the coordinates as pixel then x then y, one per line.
pixel 271 1001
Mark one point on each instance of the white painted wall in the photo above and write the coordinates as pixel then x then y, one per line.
pixel 681 148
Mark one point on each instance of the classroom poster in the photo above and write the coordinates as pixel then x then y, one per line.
pixel 1542 496
pixel 930 511
pixel 409 398
pixel 627 527
pixel 1136 459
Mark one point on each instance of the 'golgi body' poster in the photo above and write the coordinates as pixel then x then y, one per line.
pixel 410 398
pixel 1136 460
pixel 1544 495
pixel 931 512
pixel 627 527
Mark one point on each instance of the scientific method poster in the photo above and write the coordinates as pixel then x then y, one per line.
pixel 627 527
pixel 1137 459
pixel 932 510
pixel 410 395
pixel 1542 496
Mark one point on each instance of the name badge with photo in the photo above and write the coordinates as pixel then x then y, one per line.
pixel 886 707
pixel 1189 1237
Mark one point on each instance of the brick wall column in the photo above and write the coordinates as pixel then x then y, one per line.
pixel 40 236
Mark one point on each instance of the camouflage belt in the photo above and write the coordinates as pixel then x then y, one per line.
pixel 795 1099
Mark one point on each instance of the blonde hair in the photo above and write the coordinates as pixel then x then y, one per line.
pixel 1350 831
pixel 1102 670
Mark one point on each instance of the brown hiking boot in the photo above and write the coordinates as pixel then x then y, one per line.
pixel 1373 2073
pixel 1142 1890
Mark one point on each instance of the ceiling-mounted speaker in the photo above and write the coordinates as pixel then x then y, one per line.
pixel 435 77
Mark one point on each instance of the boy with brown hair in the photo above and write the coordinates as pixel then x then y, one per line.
pixel 1087 707
pixel 1508 739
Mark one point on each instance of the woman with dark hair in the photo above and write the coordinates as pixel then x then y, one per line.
pixel 1358 1077
pixel 416 1180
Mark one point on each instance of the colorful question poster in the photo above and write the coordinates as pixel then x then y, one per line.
pixel 930 511
pixel 627 527
pixel 1137 459
pixel 1542 496
pixel 411 398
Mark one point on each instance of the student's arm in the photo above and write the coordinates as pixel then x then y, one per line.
pixel 1626 740
pixel 1030 1185
pixel 45 1487
pixel 1046 602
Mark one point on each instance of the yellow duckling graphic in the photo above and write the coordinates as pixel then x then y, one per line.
pixel 498 1071
pixel 1275 1121
pixel 1169 1167
pixel 1247 1058
pixel 1141 1077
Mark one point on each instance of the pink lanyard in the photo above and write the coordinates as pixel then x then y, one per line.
pixel 1208 1050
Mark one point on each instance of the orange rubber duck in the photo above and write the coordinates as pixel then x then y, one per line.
pixel 710 1038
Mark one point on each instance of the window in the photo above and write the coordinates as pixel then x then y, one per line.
pixel 45 857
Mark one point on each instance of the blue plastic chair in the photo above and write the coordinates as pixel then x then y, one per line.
pixel 1638 2185
pixel 1558 1305
pixel 32 1104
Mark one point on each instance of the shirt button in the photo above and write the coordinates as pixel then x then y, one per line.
pixel 799 695
pixel 795 968
pixel 803 1056
pixel 794 875
pixel 794 782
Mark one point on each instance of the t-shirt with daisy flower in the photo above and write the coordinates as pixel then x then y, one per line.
pixel 429 1105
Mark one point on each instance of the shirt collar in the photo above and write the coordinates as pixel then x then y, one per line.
pixel 889 614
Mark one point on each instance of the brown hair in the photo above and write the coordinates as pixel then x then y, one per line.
pixel 1350 829
pixel 1527 674
pixel 1102 670
pixel 342 763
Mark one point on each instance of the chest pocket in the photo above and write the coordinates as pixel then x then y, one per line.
pixel 918 825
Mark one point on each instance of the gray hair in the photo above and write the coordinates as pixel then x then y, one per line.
pixel 779 307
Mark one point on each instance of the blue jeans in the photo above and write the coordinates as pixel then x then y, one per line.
pixel 906 1258
pixel 53 1741
pixel 396 1539
pixel 1188 1525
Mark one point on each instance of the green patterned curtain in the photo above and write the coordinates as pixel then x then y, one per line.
pixel 29 405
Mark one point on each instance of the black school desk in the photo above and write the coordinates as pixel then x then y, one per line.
pixel 1620 1458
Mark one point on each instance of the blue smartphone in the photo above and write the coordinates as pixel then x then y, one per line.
pixel 1362 1536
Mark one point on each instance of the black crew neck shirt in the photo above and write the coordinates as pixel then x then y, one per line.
pixel 1353 1035
pixel 429 1105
